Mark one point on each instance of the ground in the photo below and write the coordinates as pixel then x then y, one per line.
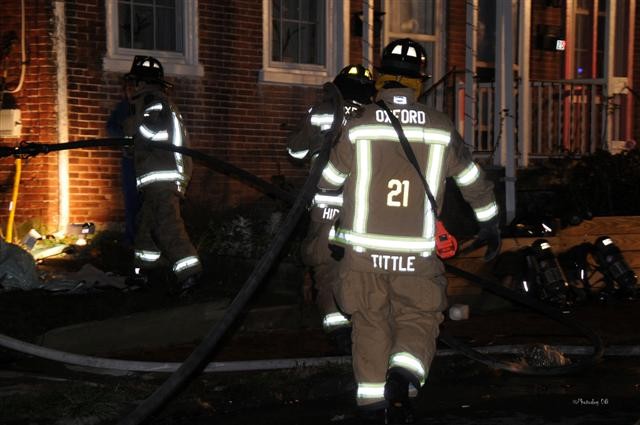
pixel 458 391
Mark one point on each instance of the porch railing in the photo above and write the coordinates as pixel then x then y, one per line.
pixel 567 117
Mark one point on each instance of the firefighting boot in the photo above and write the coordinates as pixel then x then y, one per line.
pixel 188 286
pixel 372 415
pixel 137 281
pixel 396 392
pixel 341 339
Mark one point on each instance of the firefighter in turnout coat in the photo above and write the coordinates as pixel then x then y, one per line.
pixel 161 177
pixel 391 281
pixel 356 85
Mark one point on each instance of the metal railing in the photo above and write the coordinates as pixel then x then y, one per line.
pixel 567 117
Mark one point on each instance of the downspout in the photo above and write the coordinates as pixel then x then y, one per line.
pixel 60 49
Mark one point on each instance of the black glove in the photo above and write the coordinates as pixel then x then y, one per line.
pixel 489 234
pixel 337 251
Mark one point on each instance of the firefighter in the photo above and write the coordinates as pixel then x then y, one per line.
pixel 356 85
pixel 391 281
pixel 161 178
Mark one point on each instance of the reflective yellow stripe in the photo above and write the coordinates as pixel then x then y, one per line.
pixel 388 133
pixel 368 390
pixel 154 107
pixel 335 320
pixel 156 136
pixel 323 121
pixel 409 362
pixel 468 176
pixel 177 141
pixel 159 176
pixel 298 154
pixel 147 256
pixel 363 181
pixel 324 200
pixel 433 175
pixel 185 263
pixel 386 243
pixel 434 136
pixel 333 175
pixel 487 212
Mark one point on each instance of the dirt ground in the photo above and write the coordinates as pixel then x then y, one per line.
pixel 458 391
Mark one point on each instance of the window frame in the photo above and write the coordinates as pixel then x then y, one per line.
pixel 118 59
pixel 335 32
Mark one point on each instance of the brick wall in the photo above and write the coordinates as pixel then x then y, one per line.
pixel 456 34
pixel 228 112
pixel 37 101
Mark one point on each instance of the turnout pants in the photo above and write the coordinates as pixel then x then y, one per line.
pixel 395 320
pixel 324 270
pixel 325 277
pixel 161 232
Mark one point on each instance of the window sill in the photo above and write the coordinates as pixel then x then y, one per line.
pixel 172 66
pixel 293 76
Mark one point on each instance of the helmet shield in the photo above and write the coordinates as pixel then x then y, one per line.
pixel 404 57
pixel 147 69
pixel 355 82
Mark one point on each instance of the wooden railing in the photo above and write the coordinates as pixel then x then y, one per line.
pixel 567 117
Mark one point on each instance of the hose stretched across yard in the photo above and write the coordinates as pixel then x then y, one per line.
pixel 274 364
pixel 197 361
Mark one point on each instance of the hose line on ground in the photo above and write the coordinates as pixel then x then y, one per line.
pixel 141 366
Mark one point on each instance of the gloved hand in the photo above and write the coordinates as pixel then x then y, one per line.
pixel 337 251
pixel 489 234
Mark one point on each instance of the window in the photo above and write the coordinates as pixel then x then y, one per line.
pixel 297 32
pixel 417 20
pixel 303 41
pixel 150 25
pixel 486 35
pixel 165 29
pixel 589 25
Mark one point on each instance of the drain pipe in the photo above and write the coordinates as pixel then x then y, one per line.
pixel 62 101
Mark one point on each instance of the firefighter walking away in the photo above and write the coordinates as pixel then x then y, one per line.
pixel 391 281
pixel 162 178
pixel 356 85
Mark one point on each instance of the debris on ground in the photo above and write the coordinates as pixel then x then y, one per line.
pixel 17 268
pixel 544 356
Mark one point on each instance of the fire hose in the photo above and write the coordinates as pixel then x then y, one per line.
pixel 197 360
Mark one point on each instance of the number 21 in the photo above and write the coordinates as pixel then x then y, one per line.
pixel 398 189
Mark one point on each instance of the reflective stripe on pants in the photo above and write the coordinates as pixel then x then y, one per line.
pixel 391 314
